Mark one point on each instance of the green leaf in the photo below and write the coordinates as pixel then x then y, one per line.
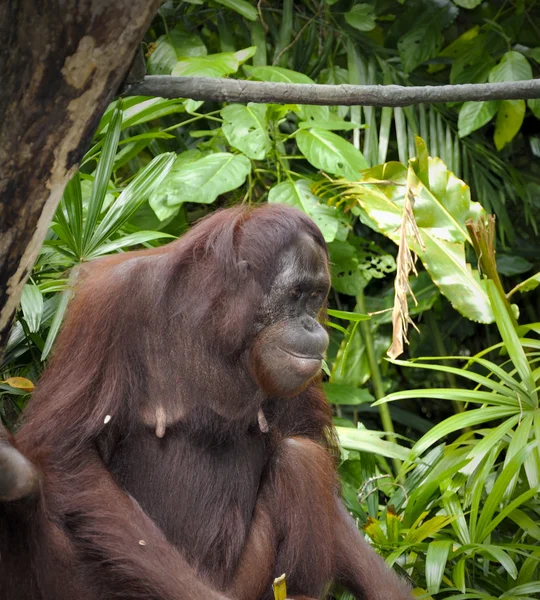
pixel 424 38
pixel 428 529
pixel 331 153
pixel 534 105
pixel 458 575
pixel 32 306
pixel 59 313
pixel 138 190
pixel 367 440
pixel 442 205
pixel 171 47
pixel 510 115
pixel 361 17
pixel 510 339
pixel 102 177
pixel 338 393
pixel 347 316
pixel 512 264
pixel 502 558
pixel 463 420
pixel 418 45
pixel 214 65
pixel 128 241
pixel 513 66
pixel 354 263
pixel 473 115
pixel 246 129
pixel 150 109
pixel 241 7
pixel 299 194
pixel 277 75
pixel 495 497
pixel 436 558
pixel 199 180
pixel 526 286
pixel 470 4
pixel 282 75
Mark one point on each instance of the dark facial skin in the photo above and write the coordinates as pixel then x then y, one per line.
pixel 288 350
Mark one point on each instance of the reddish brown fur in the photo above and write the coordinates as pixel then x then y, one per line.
pixel 215 508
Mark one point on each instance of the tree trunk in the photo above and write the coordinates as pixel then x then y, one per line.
pixel 61 61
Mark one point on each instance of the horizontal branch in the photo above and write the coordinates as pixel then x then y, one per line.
pixel 236 90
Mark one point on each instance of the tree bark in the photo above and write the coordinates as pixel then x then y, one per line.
pixel 61 61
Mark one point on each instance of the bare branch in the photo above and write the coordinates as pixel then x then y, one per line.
pixel 237 90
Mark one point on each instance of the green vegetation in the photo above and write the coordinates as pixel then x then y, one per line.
pixel 444 471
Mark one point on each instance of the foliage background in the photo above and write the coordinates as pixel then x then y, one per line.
pixel 450 493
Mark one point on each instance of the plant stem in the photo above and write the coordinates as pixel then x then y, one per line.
pixel 376 378
pixel 483 240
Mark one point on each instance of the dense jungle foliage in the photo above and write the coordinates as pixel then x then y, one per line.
pixel 443 472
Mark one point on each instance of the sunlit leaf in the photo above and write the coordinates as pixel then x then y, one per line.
pixel 366 440
pixel 20 383
pixel 436 557
pixel 32 306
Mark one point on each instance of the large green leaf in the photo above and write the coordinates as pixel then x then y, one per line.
pixel 424 39
pixel 246 129
pixel 331 153
pixel 199 180
pixel 299 194
pixel 171 47
pixel 513 66
pixel 473 115
pixel 442 205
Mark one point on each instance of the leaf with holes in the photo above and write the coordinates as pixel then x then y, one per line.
pixel 442 205
pixel 246 129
